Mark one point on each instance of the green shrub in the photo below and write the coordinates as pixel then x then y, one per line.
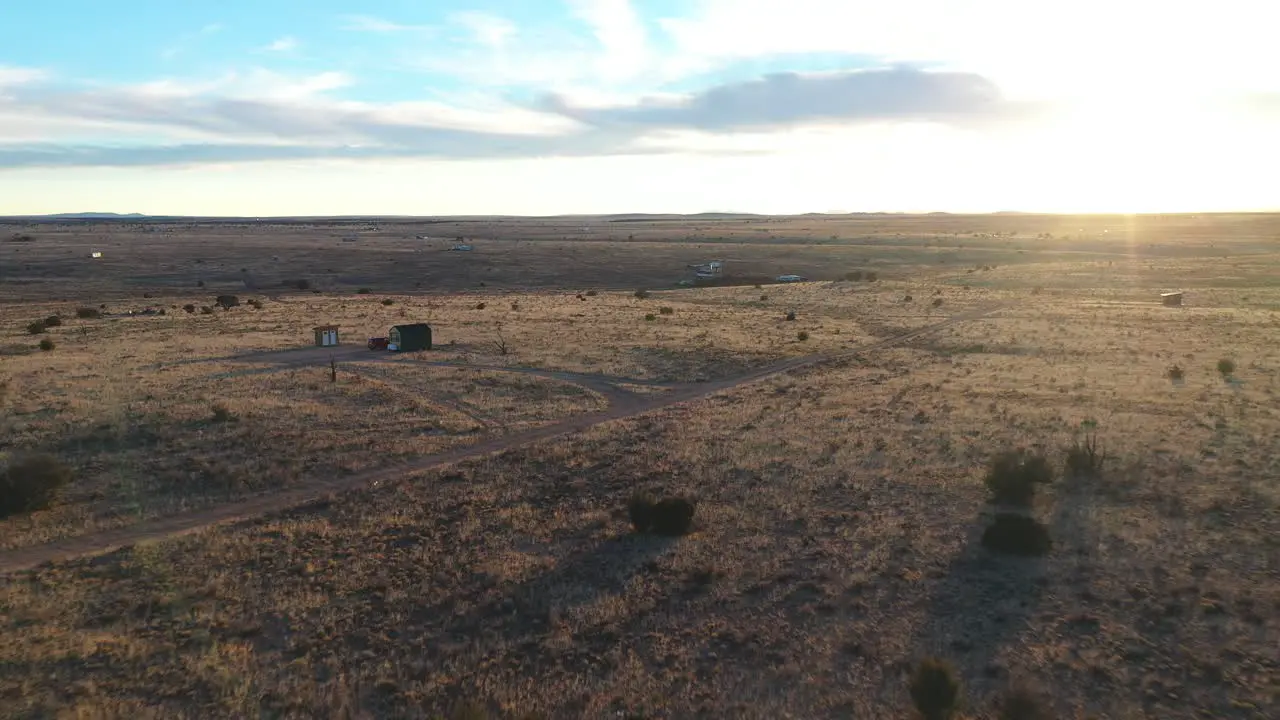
pixel 1227 367
pixel 1012 477
pixel 36 327
pixel 46 345
pixel 1016 534
pixel 31 483
pixel 650 317
pixel 935 689
pixel 53 321
pixel 88 313
pixel 667 310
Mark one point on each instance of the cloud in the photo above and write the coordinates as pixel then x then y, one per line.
pixel 788 99
pixel 368 23
pixel 487 29
pixel 622 36
pixel 11 76
pixel 281 45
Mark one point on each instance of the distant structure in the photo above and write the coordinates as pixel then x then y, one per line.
pixel 708 270
pixel 409 338
pixel 326 335
pixel 95 254
pixel 461 248
pixel 791 278
pixel 1171 299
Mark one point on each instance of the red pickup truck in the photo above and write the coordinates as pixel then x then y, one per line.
pixel 377 343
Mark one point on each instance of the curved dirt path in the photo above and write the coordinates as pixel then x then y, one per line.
pixel 184 523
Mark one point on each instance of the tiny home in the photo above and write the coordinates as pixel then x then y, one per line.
pixel 409 338
pixel 326 335
pixel 1171 299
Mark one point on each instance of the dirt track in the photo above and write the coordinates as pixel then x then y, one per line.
pixel 622 405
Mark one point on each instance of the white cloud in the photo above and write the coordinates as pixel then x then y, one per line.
pixel 621 34
pixel 282 45
pixel 19 75
pixel 487 29
pixel 368 23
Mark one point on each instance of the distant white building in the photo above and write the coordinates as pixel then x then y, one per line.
pixel 790 278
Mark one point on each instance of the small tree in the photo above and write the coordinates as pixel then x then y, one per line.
pixel 1012 477
pixel 500 341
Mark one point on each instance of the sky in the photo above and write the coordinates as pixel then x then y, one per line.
pixel 541 107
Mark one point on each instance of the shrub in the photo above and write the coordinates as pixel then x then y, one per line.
pixel 47 345
pixel 36 327
pixel 206 310
pixel 671 516
pixel 189 308
pixel 650 317
pixel 88 313
pixel 1016 534
pixel 907 298
pixel 802 336
pixel 791 316
pixel 871 276
pixel 854 276
pixel 364 291
pixel 592 293
pixel 515 306
pixel 667 311
pixel 935 689
pixel 1012 477
pixel 1084 457
pixel 480 306
pixel 388 302
pixel 1226 366
pixel 221 413
pixel 53 321
pixel 642 294
pixel 1024 703
pixel 256 304
pixel 31 483
pixel 226 302
pixel 1175 373
pixel 937 302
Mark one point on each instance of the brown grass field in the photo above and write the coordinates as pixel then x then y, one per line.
pixel 839 504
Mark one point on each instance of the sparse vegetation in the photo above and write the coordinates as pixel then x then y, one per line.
pixel 791 316
pixel 937 302
pixel 1012 477
pixel 46 344
pixel 388 302
pixel 1016 534
pixel 189 308
pixel 481 306
pixel 53 321
pixel 935 689
pixel 666 310
pixel 1175 373
pixel 221 413
pixel 31 483
pixel 1226 367
pixel 650 317
pixel 206 310
pixel 226 302
pixel 88 313
pixel 802 336
pixel 255 303
pixel 36 327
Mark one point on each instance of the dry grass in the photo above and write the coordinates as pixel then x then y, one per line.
pixel 839 510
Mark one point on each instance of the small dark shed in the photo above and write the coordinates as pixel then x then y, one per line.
pixel 1171 299
pixel 408 338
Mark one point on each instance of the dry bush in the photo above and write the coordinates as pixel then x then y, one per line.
pixel 671 516
pixel 481 306
pixel 36 327
pixel 791 316
pixel 802 336
pixel 1175 373
pixel 31 483
pixel 226 302
pixel 592 293
pixel 1016 534
pixel 937 302
pixel 53 321
pixel 1012 477
pixel 667 310
pixel 1023 702
pixel 388 302
pixel 46 345
pixel 935 689
pixel 88 313
pixel 189 308
pixel 650 317
pixel 1227 367
pixel 206 310
pixel 221 413
pixel 1085 457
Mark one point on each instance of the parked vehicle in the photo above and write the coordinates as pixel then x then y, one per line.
pixel 377 343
